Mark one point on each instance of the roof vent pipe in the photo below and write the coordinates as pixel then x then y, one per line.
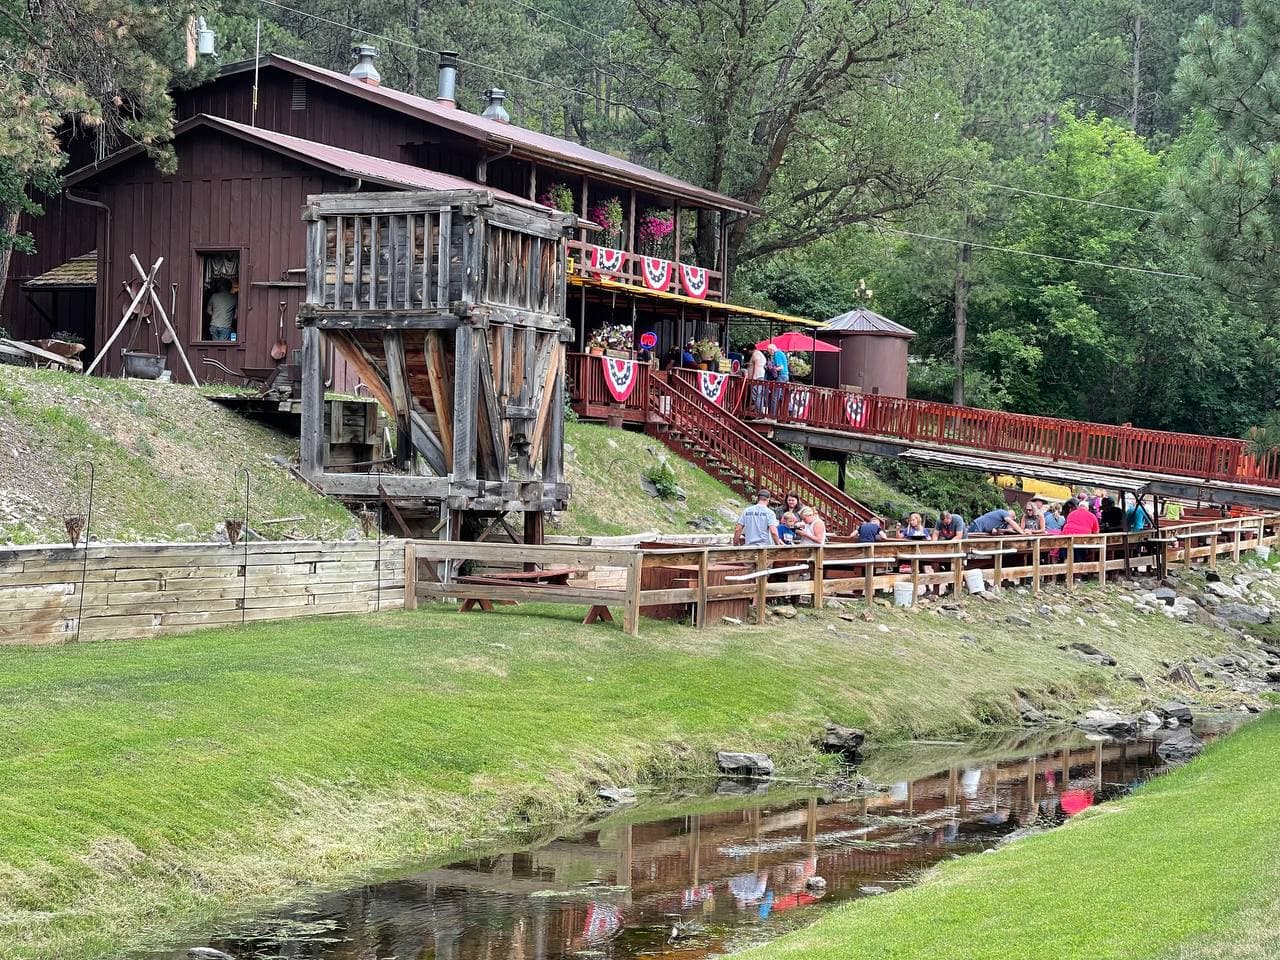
pixel 364 69
pixel 447 90
pixel 493 108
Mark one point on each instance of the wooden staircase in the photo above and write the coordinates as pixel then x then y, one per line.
pixel 713 439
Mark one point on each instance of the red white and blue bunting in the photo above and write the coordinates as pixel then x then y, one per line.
pixel 606 259
pixel 694 280
pixel 657 272
pixel 713 386
pixel 620 376
pixel 798 403
pixel 855 409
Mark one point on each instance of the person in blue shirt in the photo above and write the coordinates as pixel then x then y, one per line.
pixel 996 521
pixel 1053 518
pixel 687 359
pixel 779 360
pixel 871 531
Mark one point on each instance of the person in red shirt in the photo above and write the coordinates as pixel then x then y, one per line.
pixel 1079 523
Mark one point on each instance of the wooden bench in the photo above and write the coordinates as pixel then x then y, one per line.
pixel 551 577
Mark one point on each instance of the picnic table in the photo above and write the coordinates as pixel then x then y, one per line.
pixel 549 578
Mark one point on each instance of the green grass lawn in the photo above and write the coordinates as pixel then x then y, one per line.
pixel 149 786
pixel 1186 869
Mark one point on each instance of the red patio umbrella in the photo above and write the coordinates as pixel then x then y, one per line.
pixel 798 343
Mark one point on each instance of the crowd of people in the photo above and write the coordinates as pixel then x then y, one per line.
pixel 755 363
pixel 763 524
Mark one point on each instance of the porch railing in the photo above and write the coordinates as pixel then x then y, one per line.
pixel 631 271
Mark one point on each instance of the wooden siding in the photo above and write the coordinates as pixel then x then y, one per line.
pixel 227 195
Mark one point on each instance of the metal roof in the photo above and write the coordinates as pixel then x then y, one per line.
pixel 864 320
pixel 523 141
pixel 78 272
pixel 346 162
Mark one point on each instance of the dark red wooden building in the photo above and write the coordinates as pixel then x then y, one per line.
pixel 228 220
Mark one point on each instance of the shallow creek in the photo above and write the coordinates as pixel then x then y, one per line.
pixel 702 869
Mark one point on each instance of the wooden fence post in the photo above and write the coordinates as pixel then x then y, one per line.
pixel 631 606
pixel 1071 565
pixel 818 575
pixel 1035 570
pixel 1213 550
pixel 700 611
pixel 410 575
pixel 1235 545
pixel 762 586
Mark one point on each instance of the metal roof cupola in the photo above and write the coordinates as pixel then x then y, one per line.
pixel 493 108
pixel 364 69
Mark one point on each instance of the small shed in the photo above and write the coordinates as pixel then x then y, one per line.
pixel 872 357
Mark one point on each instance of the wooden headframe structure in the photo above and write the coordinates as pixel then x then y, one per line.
pixel 450 307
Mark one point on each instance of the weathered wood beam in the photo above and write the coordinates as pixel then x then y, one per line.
pixel 465 395
pixel 314 449
pixel 493 449
pixel 441 379
pixel 398 382
pixel 390 202
pixel 413 319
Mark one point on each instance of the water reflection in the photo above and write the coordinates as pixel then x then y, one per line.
pixel 696 882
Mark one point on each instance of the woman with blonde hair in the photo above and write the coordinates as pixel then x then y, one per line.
pixel 812 528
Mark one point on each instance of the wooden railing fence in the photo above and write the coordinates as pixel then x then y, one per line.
pixel 615 577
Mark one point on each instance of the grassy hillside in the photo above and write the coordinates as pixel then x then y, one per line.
pixel 605 468
pixel 164 456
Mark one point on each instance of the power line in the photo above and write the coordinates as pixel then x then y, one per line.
pixel 1056 196
pixel 567 23
pixel 1039 256
pixel 500 71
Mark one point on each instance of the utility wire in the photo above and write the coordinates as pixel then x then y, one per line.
pixel 568 23
pixel 1039 256
pixel 500 71
pixel 1055 196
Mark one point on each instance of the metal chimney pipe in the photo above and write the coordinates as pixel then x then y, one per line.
pixel 447 89
pixel 493 108
pixel 364 69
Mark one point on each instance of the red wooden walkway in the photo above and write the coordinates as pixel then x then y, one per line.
pixel 1216 464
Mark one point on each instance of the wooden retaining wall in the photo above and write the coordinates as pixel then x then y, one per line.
pixel 147 589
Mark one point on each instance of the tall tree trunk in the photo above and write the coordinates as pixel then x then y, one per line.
pixel 8 227
pixel 961 315
pixel 1135 73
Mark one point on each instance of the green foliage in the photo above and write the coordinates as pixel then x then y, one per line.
pixel 663 479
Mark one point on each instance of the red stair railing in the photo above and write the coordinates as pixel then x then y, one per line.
pixel 717 435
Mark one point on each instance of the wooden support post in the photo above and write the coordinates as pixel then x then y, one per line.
pixel 869 581
pixel 700 609
pixel 1071 565
pixel 533 527
pixel 1213 551
pixel 1102 562
pixel 410 575
pixel 818 575
pixel 915 576
pixel 1187 543
pixel 313 446
pixel 842 470
pixel 957 568
pixel 762 586
pixel 466 413
pixel 1035 568
pixel 998 568
pixel 1235 545
pixel 631 609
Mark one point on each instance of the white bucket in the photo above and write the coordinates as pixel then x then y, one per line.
pixel 904 595
pixel 1263 551
pixel 973 580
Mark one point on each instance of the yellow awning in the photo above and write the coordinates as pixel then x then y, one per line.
pixel 732 309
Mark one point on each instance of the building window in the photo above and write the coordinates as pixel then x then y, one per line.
pixel 220 294
pixel 299 101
